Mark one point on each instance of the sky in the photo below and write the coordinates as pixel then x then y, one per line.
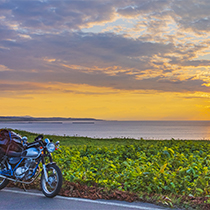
pixel 105 59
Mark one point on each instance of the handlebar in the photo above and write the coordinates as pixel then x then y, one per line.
pixel 38 142
pixel 33 144
pixel 39 138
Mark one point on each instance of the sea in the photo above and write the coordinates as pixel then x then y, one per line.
pixel 155 130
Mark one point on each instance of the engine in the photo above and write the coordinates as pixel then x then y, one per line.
pixel 24 172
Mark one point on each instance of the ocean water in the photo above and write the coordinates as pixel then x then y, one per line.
pixel 190 130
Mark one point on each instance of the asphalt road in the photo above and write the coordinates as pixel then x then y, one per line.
pixel 16 199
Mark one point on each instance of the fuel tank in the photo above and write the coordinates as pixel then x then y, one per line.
pixel 31 153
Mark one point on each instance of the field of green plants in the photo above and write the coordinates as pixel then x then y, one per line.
pixel 178 167
pixel 164 167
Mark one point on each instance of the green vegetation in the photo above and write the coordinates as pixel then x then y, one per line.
pixel 164 167
pixel 177 167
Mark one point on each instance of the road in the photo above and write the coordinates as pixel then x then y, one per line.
pixel 17 199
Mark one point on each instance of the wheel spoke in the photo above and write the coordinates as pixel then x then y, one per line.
pixel 52 186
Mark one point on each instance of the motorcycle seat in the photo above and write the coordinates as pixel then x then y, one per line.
pixel 14 154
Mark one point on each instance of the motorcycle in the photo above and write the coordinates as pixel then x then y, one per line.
pixel 20 161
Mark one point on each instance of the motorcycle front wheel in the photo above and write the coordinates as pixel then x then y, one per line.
pixel 3 182
pixel 52 186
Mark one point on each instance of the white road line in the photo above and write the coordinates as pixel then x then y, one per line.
pixel 84 200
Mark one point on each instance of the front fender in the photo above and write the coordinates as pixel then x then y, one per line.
pixel 52 163
pixel 46 165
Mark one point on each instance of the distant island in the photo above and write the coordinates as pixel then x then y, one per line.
pixel 50 119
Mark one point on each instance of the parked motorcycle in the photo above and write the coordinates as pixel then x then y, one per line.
pixel 20 161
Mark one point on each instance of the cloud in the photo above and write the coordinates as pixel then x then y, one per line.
pixel 18 87
pixel 88 50
pixel 135 8
pixel 188 14
pixel 120 81
pixel 80 48
pixel 57 15
pixel 193 15
pixel 44 41
pixel 196 63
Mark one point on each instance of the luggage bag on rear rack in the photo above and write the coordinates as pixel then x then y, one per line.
pixel 10 143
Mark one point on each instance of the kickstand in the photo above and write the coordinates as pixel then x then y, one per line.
pixel 24 187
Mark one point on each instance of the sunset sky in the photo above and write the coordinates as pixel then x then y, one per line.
pixel 105 59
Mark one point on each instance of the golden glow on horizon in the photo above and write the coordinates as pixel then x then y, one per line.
pixel 109 104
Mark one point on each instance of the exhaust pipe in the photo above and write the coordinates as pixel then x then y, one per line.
pixel 4 177
pixel 15 180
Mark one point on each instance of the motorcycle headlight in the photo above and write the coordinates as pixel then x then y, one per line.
pixel 50 147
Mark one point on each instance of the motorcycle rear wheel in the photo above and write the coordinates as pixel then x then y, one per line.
pixel 3 182
pixel 52 186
